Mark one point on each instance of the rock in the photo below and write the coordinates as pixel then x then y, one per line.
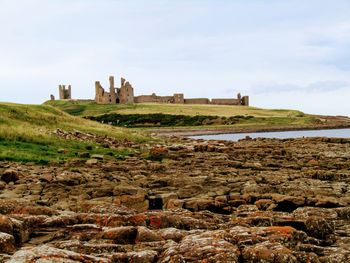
pixel 46 178
pixel 127 190
pixel 199 204
pixel 201 248
pixel 145 256
pixel 21 231
pixel 165 197
pixel 313 162
pixel 172 234
pixel 61 150
pixel 121 235
pixel 46 253
pixel 268 252
pixel 146 235
pixel 97 156
pixel 263 204
pixel 319 227
pixel 70 179
pixel 6 225
pixel 189 191
pixel 158 153
pixel 10 175
pixel 92 162
pixel 7 243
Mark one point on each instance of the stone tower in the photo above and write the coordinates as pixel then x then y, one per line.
pixel 65 93
pixel 245 100
pixel 126 92
pixel 179 98
pixel 112 93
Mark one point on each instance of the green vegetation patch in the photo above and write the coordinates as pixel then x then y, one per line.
pixel 20 151
pixel 164 120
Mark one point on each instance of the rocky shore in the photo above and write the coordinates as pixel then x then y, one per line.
pixel 264 200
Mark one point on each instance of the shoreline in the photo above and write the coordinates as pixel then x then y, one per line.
pixel 236 130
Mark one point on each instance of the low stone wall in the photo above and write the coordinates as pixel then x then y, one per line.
pixel 154 99
pixel 225 102
pixel 197 101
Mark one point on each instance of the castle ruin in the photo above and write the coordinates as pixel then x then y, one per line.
pixel 125 95
pixel 65 93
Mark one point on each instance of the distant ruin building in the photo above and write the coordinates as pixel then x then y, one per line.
pixel 125 95
pixel 65 93
pixel 52 97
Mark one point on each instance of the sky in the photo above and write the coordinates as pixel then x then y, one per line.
pixel 283 54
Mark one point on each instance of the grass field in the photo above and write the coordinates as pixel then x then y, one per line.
pixel 249 117
pixel 81 108
pixel 26 134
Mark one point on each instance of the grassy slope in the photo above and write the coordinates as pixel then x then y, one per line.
pixel 262 118
pixel 26 133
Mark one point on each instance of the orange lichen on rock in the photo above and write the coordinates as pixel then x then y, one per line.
pixel 283 230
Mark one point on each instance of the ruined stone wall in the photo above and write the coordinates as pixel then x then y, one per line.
pixel 197 101
pixel 65 93
pixel 103 97
pixel 225 102
pixel 154 99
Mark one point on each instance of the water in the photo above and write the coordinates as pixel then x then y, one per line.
pixel 336 133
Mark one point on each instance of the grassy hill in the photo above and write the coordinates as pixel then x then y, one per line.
pixel 27 134
pixel 89 108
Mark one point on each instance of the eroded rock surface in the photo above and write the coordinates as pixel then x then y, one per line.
pixel 258 200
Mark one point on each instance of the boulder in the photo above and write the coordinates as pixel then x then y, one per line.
pixel 46 253
pixel 206 247
pixel 10 175
pixel 319 227
pixel 268 252
pixel 121 235
pixel 146 235
pixel 158 153
pixel 92 162
pixel 6 225
pixel 145 256
pixel 7 243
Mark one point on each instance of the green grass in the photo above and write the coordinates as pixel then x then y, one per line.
pixel 89 108
pixel 27 134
